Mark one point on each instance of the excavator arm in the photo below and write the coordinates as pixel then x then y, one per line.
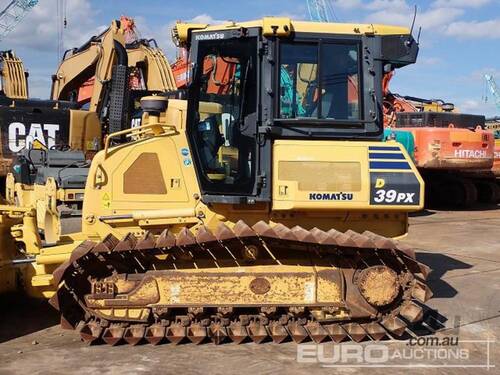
pixel 92 61
pixel 14 82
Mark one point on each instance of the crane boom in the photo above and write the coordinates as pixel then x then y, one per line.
pixel 493 88
pixel 13 13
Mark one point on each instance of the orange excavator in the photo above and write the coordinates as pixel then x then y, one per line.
pixel 453 151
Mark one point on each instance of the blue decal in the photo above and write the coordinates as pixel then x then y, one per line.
pixel 386 155
pixel 389 165
pixel 187 162
pixel 383 148
pixel 184 151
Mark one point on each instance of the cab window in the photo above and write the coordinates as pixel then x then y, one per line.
pixel 225 86
pixel 319 81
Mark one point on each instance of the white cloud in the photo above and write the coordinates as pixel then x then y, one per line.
pixel 478 76
pixel 432 19
pixel 479 107
pixel 443 16
pixel 393 5
pixel 461 3
pixel 347 4
pixel 474 29
pixel 206 18
pixel 39 29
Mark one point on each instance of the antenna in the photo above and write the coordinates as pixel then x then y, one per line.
pixel 414 19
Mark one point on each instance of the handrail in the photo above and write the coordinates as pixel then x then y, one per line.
pixel 155 129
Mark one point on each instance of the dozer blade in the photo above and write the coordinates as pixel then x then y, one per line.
pixel 134 334
pixel 278 332
pixel 316 332
pixel 237 332
pixel 355 331
pixel 336 332
pixel 113 335
pixel 175 333
pixel 298 332
pixel 375 330
pixel 196 333
pixel 155 334
pixel 217 333
pixel 257 332
pixel 394 325
pixel 90 332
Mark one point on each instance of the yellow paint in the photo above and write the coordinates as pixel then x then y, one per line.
pixel 106 201
pixel 183 31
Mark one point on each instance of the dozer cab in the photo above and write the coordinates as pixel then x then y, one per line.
pixel 229 215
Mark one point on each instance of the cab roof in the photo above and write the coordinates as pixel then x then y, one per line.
pixel 282 27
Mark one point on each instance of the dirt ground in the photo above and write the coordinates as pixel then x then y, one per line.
pixel 461 247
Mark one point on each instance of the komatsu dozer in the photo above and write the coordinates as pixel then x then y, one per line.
pixel 230 216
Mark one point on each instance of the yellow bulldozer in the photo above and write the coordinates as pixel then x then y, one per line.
pixel 233 215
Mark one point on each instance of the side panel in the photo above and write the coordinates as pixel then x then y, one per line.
pixel 344 175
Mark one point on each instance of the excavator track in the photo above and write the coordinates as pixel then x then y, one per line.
pixel 110 291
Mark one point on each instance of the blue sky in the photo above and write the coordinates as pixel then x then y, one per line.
pixel 460 39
